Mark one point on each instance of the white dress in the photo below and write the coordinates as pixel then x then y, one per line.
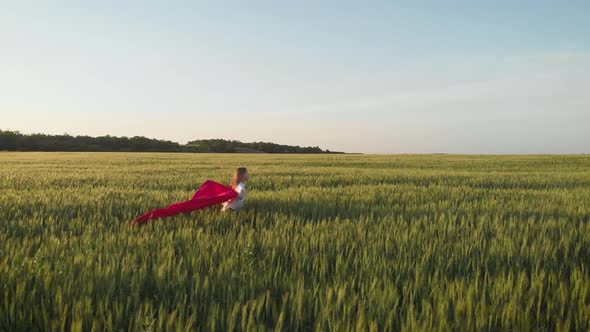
pixel 236 203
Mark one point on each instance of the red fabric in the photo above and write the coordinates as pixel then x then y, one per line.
pixel 209 193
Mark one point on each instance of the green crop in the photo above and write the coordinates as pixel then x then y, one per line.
pixel 324 243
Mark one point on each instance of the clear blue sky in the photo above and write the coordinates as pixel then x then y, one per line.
pixel 374 77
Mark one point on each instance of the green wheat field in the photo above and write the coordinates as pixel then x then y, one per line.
pixel 324 243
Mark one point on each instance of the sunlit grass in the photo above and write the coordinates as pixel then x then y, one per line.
pixel 325 242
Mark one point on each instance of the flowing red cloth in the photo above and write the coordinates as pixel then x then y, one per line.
pixel 209 193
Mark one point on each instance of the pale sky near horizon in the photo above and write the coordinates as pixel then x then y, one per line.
pixel 366 76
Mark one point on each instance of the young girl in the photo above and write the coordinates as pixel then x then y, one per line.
pixel 238 183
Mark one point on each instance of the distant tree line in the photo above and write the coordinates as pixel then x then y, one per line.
pixel 15 141
pixel 227 146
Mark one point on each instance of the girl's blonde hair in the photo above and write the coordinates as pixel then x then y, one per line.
pixel 239 175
